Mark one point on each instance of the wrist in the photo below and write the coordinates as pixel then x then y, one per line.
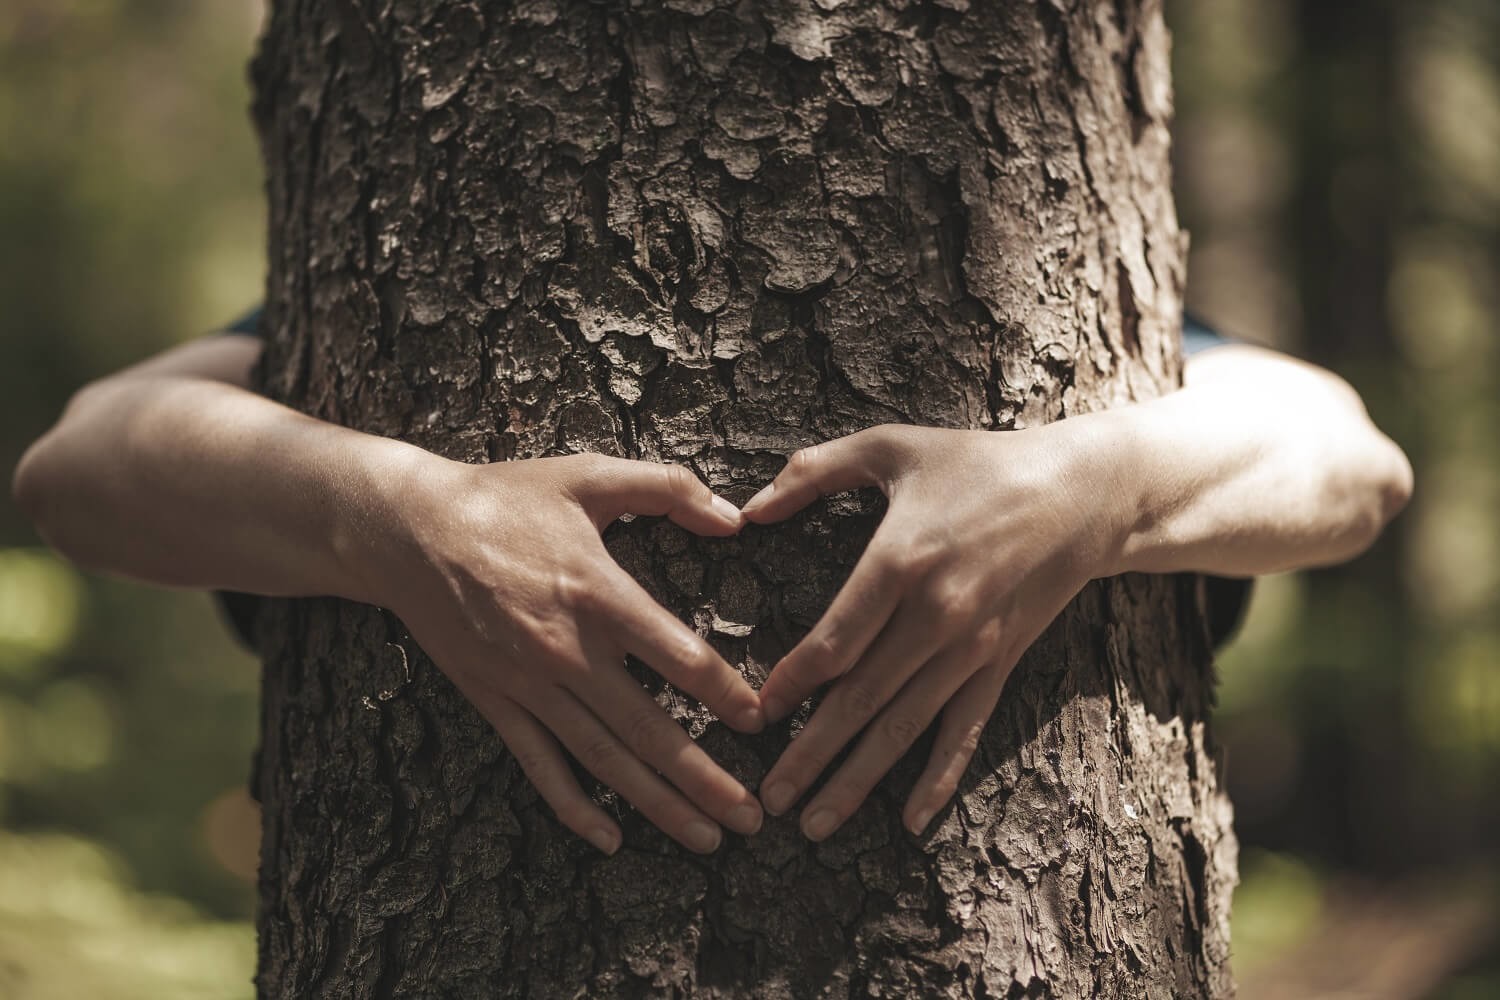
pixel 1110 467
pixel 1145 461
pixel 377 539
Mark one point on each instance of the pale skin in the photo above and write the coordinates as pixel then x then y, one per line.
pixel 173 472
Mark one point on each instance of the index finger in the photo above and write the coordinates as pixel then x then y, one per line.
pixel 854 460
pixel 855 617
pixel 657 739
pixel 656 636
pixel 617 486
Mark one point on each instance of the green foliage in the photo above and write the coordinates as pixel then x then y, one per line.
pixel 40 605
pixel 71 925
pixel 1276 907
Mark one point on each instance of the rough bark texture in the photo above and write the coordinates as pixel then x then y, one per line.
pixel 711 233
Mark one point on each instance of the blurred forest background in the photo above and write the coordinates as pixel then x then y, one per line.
pixel 1338 166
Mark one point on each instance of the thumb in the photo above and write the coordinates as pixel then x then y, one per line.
pixel 616 486
pixel 859 459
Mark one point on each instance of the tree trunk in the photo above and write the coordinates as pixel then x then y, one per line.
pixel 712 233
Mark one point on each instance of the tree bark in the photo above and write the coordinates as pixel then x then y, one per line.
pixel 711 233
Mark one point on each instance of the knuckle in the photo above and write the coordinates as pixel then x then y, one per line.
pixel 944 787
pixel 959 607
pixel 885 559
pixel 532 762
pixel 902 730
pixel 926 557
pixel 588 598
pixel 680 481
pixel 882 438
pixel 988 637
pixel 890 442
pixel 570 590
pixel 601 756
pixel 699 658
pixel 804 460
pixel 583 467
pixel 966 741
pixel 910 562
pixel 729 688
pixel 590 462
pixel 689 654
pixel 857 702
pixel 951 602
pixel 553 643
pixel 821 662
pixel 648 734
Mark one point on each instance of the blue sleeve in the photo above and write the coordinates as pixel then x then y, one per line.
pixel 1199 336
pixel 247 324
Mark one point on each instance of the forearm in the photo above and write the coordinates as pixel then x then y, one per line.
pixel 1275 468
pixel 186 481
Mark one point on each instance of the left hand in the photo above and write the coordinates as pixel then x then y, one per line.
pixel 986 538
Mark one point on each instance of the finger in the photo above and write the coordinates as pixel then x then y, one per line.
pixel 891 735
pixel 906 644
pixel 957 740
pixel 855 617
pixel 616 486
pixel 677 653
pixel 545 767
pixel 656 738
pixel 602 753
pixel 846 463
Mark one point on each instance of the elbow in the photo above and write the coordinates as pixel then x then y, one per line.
pixel 31 486
pixel 1366 484
pixel 1396 483
pixel 45 493
pixel 40 485
pixel 1386 490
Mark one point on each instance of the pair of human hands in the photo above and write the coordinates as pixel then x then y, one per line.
pixel 986 538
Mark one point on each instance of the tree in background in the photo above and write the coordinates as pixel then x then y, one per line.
pixel 713 234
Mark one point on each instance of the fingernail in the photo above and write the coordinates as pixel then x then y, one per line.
pixel 774 708
pixel 920 822
pixel 820 824
pixel 752 719
pixel 745 818
pixel 761 497
pixel 702 837
pixel 725 509
pixel 778 797
pixel 605 839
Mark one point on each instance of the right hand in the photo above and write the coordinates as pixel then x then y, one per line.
pixel 510 590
